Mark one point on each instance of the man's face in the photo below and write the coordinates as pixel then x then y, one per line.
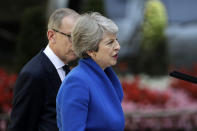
pixel 62 45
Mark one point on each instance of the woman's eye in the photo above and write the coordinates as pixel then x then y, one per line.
pixel 110 42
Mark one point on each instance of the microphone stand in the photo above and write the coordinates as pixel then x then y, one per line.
pixel 183 76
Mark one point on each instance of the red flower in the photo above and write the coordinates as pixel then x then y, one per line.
pixel 6 90
pixel 143 95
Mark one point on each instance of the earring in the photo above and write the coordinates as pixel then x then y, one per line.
pixel 94 55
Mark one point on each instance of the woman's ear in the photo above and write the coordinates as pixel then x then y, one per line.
pixel 91 54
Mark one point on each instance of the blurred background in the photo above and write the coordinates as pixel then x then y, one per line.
pixel 156 37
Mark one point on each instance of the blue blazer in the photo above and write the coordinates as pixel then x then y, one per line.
pixel 89 99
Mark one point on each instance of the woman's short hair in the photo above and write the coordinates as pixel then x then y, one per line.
pixel 89 31
pixel 55 20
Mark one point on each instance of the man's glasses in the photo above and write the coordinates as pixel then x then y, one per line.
pixel 67 35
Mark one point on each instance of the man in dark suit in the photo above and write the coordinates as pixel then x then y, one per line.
pixel 34 102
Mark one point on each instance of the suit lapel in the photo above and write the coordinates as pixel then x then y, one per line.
pixel 51 72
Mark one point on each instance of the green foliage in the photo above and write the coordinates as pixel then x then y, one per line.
pixel 16 8
pixel 154 54
pixel 93 5
pixel 32 36
pixel 154 24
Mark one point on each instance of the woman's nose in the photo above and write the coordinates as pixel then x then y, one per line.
pixel 117 45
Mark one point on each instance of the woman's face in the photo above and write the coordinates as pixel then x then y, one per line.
pixel 107 53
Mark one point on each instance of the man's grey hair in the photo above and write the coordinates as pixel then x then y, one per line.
pixel 89 31
pixel 55 20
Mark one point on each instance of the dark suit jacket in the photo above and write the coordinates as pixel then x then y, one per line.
pixel 34 102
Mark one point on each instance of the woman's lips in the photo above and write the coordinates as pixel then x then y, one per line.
pixel 116 56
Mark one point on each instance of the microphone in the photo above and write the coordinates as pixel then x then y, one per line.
pixel 183 76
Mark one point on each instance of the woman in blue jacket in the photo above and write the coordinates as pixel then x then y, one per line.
pixel 90 96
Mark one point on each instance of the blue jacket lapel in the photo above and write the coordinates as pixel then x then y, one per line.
pixel 108 76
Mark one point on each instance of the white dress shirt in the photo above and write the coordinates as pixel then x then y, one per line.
pixel 57 62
